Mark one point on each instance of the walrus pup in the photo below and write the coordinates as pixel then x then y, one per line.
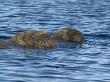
pixel 71 35
pixel 34 39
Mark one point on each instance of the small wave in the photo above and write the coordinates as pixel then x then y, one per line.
pixel 4 37
pixel 99 35
pixel 9 13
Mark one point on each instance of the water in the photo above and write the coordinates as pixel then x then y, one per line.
pixel 90 63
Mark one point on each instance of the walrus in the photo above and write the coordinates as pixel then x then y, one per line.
pixel 70 35
pixel 34 39
pixel 38 39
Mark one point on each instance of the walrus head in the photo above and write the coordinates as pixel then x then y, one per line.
pixel 71 35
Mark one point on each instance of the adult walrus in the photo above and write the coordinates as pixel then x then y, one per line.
pixel 38 39
pixel 34 39
pixel 70 35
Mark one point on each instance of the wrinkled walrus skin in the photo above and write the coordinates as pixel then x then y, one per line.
pixel 70 35
pixel 34 39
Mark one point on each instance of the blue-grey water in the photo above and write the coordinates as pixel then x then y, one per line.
pixel 67 63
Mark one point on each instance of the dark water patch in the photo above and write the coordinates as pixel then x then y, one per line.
pixel 98 35
pixel 4 37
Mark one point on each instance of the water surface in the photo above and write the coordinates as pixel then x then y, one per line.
pixel 67 63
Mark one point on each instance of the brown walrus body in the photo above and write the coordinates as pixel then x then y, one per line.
pixel 38 39
pixel 71 35
pixel 34 39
